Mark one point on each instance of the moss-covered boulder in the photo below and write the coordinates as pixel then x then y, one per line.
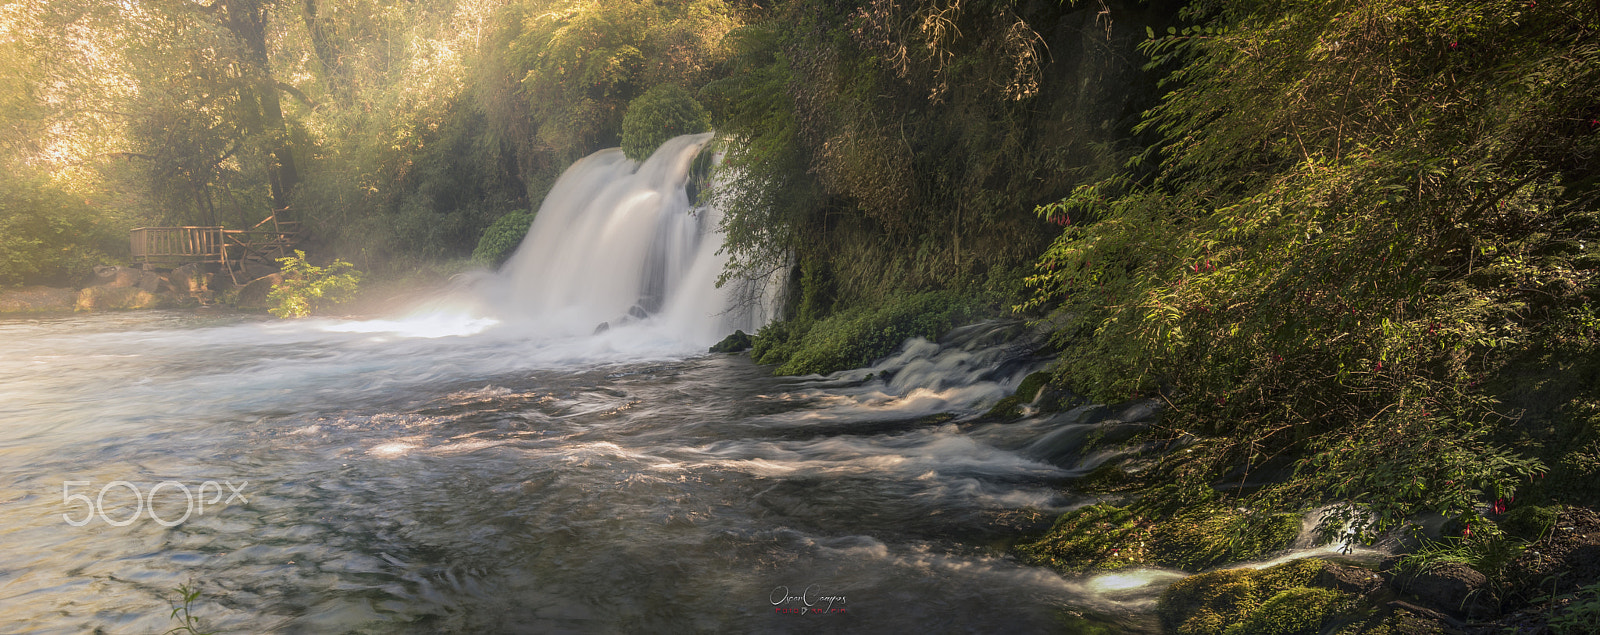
pixel 1217 535
pixel 739 341
pixel 1279 600
pixel 1097 537
pixel 1105 537
pixel 118 298
pixel 1011 406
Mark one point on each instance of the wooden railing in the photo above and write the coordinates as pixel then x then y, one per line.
pixel 178 244
pixel 265 243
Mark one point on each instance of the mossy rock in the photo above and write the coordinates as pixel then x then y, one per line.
pixel 1274 601
pixel 1011 407
pixel 856 337
pixel 1097 537
pixel 1530 522
pixel 1212 536
pixel 737 342
pixel 1106 478
pixel 1104 537
pixel 1298 611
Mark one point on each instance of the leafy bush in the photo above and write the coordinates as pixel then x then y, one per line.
pixel 307 287
pixel 661 113
pixel 501 239
pixel 48 237
pixel 1331 268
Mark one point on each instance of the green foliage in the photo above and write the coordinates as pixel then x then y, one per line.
pixel 1580 615
pixel 49 237
pixel 661 113
pixel 190 625
pixel 1530 522
pixel 858 336
pixel 897 146
pixel 501 238
pixel 1485 549
pixel 1328 265
pixel 307 288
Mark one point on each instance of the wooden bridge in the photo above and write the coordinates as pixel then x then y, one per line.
pixel 232 248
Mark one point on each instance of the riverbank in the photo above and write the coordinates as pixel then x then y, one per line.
pixel 1517 568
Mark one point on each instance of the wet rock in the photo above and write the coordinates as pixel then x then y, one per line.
pixel 152 282
pixel 1453 589
pixel 602 327
pixel 103 298
pixel 117 277
pixel 1354 580
pixel 253 295
pixel 739 341
pixel 189 279
pixel 36 300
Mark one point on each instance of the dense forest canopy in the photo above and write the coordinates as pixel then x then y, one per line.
pixel 401 130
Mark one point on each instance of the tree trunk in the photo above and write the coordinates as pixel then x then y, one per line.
pixel 247 20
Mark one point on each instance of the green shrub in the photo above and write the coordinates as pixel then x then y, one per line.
pixel 1529 522
pixel 47 236
pixel 661 113
pixel 1581 615
pixel 501 238
pixel 306 287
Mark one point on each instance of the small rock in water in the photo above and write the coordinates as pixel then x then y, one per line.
pixel 604 326
pixel 739 341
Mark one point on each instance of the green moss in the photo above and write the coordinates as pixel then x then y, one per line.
pixel 1273 601
pixel 1011 406
pixel 739 341
pixel 856 337
pixel 1107 477
pixel 1299 611
pixel 1108 537
pixel 1103 537
pixel 1212 536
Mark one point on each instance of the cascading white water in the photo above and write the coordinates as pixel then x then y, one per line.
pixel 617 242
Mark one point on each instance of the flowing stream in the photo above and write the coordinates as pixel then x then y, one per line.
pixel 496 461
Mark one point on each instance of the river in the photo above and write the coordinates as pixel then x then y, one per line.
pixel 429 474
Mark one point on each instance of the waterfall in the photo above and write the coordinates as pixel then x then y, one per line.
pixel 620 244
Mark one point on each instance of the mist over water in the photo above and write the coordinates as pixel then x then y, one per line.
pixel 487 462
